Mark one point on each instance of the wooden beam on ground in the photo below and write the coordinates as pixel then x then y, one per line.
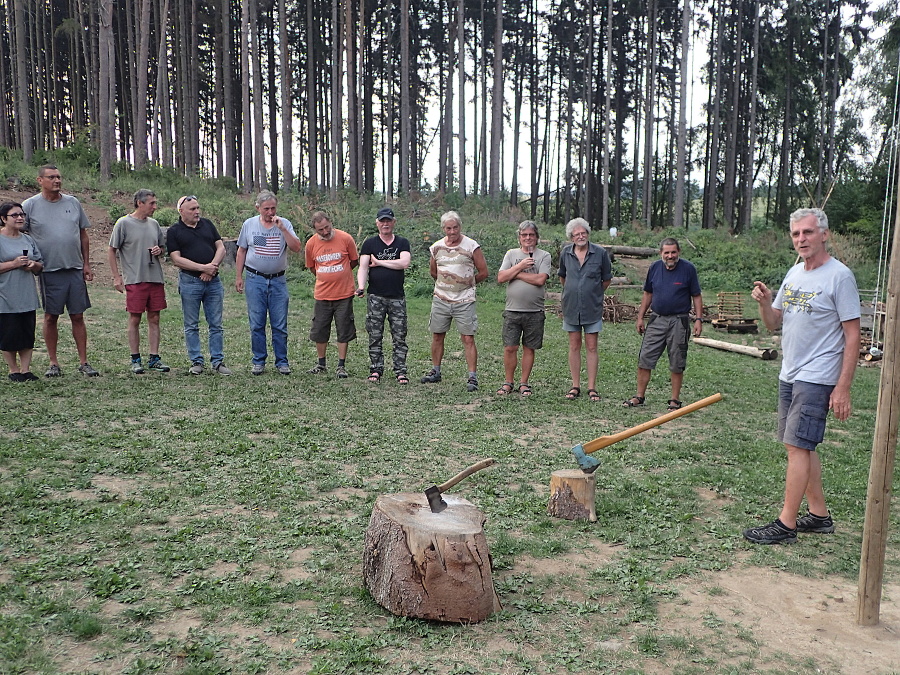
pixel 884 449
pixel 764 354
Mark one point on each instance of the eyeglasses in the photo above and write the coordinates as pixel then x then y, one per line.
pixel 186 198
pixel 20 214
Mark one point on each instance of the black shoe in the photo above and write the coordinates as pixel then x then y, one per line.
pixel 16 377
pixel 29 377
pixel 773 533
pixel 815 524
pixel 472 384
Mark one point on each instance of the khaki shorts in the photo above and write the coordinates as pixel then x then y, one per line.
pixel 342 313
pixel 526 328
pixel 671 333
pixel 442 313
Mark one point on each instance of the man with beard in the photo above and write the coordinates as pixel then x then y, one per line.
pixel 671 288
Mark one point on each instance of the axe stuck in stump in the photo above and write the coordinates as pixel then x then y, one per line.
pixel 433 494
pixel 589 464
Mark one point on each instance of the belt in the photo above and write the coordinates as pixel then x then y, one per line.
pixel 261 274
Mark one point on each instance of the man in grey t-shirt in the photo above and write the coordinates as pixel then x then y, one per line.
pixel 526 270
pixel 58 225
pixel 817 308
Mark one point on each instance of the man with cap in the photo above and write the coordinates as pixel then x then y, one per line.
pixel 382 261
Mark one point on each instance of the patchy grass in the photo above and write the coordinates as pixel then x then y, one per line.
pixel 168 523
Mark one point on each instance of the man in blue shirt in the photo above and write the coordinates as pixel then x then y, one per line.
pixel 670 289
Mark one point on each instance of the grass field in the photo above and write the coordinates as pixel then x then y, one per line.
pixel 176 524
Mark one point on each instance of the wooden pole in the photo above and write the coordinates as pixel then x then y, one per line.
pixel 764 354
pixel 884 448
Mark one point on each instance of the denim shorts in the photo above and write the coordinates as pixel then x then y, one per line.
pixel 802 411
pixel 595 327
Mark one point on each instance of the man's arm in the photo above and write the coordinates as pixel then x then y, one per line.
pixel 239 260
pixel 183 263
pixel 86 270
pixel 113 260
pixel 481 269
pixel 362 275
pixel 771 317
pixel 400 264
pixel 840 396
pixel 432 268
pixel 291 239
pixel 646 299
pixel 698 315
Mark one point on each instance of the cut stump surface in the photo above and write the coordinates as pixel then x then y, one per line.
pixel 429 565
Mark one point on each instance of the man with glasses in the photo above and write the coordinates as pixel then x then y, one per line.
pixel 58 224
pixel 137 242
pixel 197 250
pixel 526 270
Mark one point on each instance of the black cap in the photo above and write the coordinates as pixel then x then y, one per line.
pixel 385 214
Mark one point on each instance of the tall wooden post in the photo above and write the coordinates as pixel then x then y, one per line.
pixel 884 447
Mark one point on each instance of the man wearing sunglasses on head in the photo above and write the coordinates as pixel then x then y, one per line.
pixel 58 225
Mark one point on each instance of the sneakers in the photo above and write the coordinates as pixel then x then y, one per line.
pixel 815 524
pixel 196 369
pixel 137 367
pixel 157 365
pixel 258 369
pixel 341 372
pixel 773 533
pixel 222 369
pixel 53 371
pixel 472 384
pixel 88 371
pixel 283 369
pixel 432 376
pixel 316 369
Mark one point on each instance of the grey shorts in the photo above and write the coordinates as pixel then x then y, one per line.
pixel 526 328
pixel 442 313
pixel 666 332
pixel 802 411
pixel 64 290
pixel 341 311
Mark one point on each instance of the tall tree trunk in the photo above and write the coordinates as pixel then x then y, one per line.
pixel 649 113
pixel 143 66
pixel 246 111
pixel 23 117
pixel 744 220
pixel 731 145
pixel 715 125
pixel 287 177
pixel 312 127
pixel 107 84
pixel 461 58
pixel 497 102
pixel 272 95
pixel 681 172
pixel 259 148
pixel 405 109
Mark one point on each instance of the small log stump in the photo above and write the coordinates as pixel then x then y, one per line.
pixel 429 565
pixel 572 495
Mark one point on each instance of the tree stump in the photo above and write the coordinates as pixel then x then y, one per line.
pixel 572 495
pixel 429 565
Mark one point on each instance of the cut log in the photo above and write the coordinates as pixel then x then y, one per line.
pixel 429 565
pixel 764 354
pixel 572 495
pixel 636 251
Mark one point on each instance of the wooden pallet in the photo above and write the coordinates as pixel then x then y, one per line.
pixel 730 306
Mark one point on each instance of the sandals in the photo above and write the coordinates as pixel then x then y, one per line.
pixel 402 379
pixel 525 390
pixel 593 396
pixel 374 377
pixel 573 393
pixel 674 404
pixel 505 389
pixel 633 402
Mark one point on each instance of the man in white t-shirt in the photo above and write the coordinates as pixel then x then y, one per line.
pixel 817 308
pixel 457 264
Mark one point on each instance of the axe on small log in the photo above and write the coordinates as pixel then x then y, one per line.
pixel 433 494
pixel 589 464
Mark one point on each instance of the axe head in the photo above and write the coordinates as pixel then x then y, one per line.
pixel 585 462
pixel 435 501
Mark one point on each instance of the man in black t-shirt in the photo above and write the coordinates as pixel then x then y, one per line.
pixel 382 261
pixel 197 250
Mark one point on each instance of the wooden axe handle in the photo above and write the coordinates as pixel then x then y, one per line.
pixel 605 441
pixel 465 473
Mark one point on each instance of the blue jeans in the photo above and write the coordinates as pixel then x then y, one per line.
pixel 211 294
pixel 267 296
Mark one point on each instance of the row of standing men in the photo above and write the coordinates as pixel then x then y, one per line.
pixel 816 307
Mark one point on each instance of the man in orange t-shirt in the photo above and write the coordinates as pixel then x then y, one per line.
pixel 331 255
